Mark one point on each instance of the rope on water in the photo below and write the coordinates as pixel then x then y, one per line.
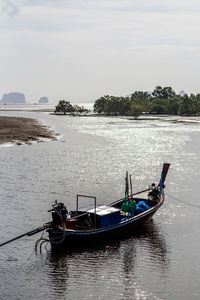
pixel 184 202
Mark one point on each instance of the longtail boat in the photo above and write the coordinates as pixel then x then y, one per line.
pixel 91 225
pixel 96 224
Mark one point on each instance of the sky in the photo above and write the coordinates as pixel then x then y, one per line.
pixel 80 50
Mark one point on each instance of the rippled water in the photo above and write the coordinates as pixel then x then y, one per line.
pixel 91 157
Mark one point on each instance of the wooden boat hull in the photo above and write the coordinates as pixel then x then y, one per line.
pixel 119 219
pixel 73 239
pixel 89 229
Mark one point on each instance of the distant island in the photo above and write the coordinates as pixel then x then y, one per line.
pixel 43 100
pixel 19 98
pixel 13 98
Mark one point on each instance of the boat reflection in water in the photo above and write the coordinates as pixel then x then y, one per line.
pixel 113 266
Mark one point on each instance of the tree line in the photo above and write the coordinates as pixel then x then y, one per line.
pixel 163 100
pixel 65 107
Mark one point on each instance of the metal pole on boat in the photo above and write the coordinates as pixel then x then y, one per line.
pixel 95 206
pixel 131 187
pixel 95 210
pixel 126 186
pixel 77 204
pixel 32 232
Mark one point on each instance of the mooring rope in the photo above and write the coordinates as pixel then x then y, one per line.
pixel 184 202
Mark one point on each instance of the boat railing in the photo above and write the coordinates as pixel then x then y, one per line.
pixel 134 194
pixel 95 205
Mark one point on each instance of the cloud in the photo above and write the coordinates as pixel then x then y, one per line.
pixel 150 6
pixel 107 46
pixel 10 8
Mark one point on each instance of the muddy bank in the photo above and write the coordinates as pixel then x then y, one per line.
pixel 23 130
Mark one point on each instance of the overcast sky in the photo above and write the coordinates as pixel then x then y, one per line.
pixel 82 49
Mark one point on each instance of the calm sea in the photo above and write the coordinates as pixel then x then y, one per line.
pixel 91 157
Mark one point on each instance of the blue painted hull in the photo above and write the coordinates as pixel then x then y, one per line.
pixel 76 238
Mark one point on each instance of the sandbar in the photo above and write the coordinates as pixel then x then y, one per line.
pixel 23 131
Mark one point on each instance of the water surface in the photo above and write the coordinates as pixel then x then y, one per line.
pixel 91 157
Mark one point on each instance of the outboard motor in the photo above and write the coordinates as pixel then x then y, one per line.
pixel 59 214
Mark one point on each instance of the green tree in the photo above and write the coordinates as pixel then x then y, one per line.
pixel 63 107
pixel 135 110
pixel 112 106
pixel 124 105
pixel 163 93
pixel 100 103
pixel 80 109
pixel 141 98
pixel 190 105
pixel 157 106
pixel 66 107
pixel 162 100
pixel 198 97
pixel 173 106
pixel 186 106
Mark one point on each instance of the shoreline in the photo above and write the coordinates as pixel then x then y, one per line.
pixel 19 130
pixel 143 117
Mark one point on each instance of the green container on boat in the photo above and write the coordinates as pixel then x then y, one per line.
pixel 129 206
